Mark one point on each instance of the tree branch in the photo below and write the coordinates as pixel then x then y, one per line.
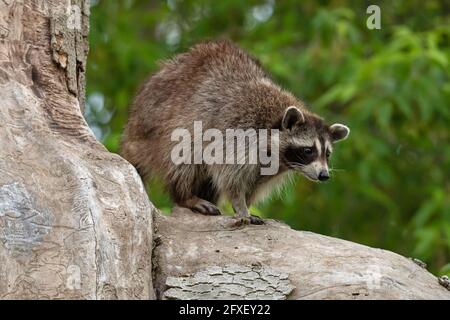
pixel 194 254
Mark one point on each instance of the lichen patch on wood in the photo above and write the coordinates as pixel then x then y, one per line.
pixel 230 282
pixel 25 223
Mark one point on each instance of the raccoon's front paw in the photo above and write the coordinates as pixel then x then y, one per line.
pixel 246 220
pixel 256 220
pixel 241 221
pixel 206 208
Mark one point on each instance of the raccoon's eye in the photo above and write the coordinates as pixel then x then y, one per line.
pixel 328 153
pixel 308 151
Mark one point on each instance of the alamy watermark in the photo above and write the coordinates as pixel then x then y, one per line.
pixel 235 146
pixel 73 280
pixel 73 17
pixel 374 20
pixel 72 12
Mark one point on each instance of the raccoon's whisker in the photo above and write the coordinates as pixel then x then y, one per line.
pixel 334 170
pixel 295 165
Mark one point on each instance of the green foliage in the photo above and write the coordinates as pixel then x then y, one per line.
pixel 391 181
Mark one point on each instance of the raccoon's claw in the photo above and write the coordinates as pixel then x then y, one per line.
pixel 256 220
pixel 249 220
pixel 206 208
pixel 241 221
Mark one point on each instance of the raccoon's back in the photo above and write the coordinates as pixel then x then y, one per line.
pixel 196 84
pixel 199 85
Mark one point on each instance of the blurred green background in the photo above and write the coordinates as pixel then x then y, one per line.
pixel 390 86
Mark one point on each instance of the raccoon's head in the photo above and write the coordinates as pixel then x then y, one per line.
pixel 306 143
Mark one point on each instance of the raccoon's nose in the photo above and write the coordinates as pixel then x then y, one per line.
pixel 323 175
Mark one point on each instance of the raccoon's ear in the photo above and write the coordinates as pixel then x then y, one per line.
pixel 339 132
pixel 291 117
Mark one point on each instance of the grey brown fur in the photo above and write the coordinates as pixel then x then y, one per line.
pixel 224 87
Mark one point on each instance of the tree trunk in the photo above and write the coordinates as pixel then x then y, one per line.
pixel 75 221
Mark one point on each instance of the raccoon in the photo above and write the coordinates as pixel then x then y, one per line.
pixel 223 86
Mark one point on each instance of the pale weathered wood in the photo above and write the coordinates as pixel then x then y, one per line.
pixel 192 249
pixel 75 220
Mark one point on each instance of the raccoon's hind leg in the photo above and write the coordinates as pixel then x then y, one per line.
pixel 202 198
pixel 207 190
pixel 201 206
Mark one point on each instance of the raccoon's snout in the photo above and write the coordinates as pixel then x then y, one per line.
pixel 324 175
pixel 316 171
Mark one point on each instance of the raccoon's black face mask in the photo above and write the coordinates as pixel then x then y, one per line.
pixel 306 143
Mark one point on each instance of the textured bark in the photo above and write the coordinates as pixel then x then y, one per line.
pixel 75 221
pixel 198 257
